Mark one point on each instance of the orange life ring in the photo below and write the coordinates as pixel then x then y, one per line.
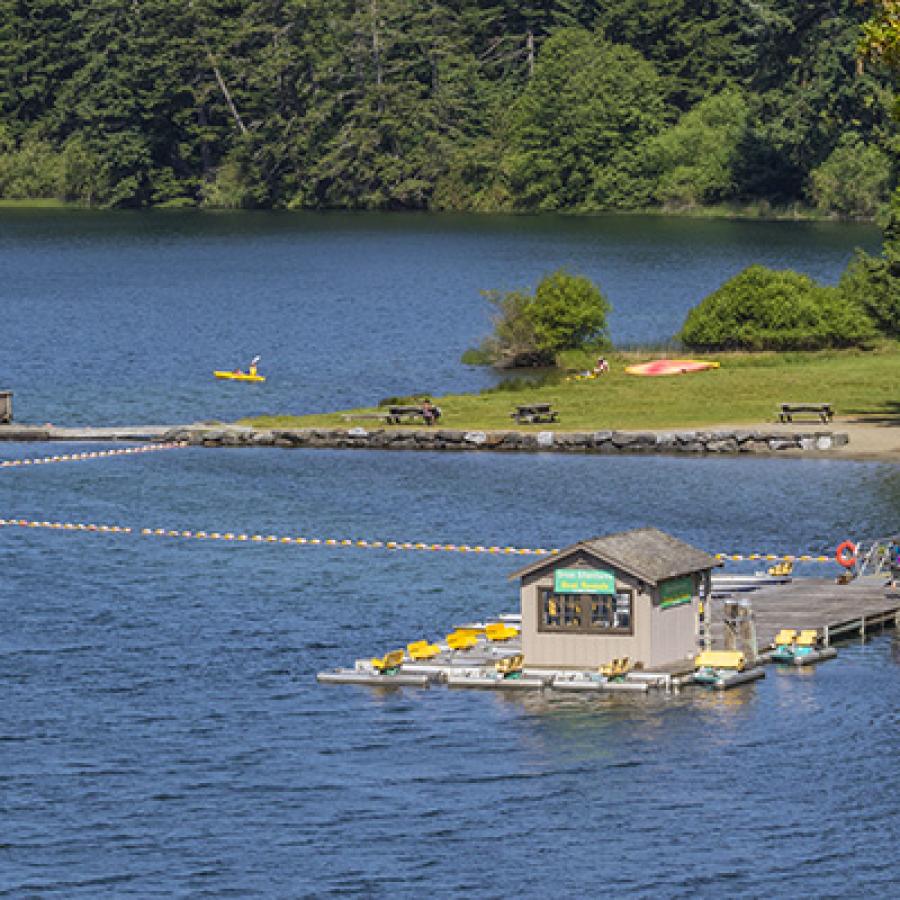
pixel 846 554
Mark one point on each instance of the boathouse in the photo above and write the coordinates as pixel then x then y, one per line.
pixel 632 594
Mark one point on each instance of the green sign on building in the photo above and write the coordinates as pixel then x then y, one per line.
pixel 676 591
pixel 583 581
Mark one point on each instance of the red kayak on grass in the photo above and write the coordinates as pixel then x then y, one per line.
pixel 671 367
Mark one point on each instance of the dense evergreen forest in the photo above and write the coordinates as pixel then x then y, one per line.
pixel 445 104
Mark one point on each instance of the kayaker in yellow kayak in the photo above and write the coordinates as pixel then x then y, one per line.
pixel 239 375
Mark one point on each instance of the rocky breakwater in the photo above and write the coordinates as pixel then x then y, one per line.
pixel 436 439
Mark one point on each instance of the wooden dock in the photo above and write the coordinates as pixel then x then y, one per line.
pixel 48 432
pixel 863 607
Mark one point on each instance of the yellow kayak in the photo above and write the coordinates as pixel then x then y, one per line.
pixel 239 376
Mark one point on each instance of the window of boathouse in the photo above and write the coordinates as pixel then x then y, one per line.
pixel 585 613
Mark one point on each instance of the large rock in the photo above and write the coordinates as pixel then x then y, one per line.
pixel 722 445
pixel 783 444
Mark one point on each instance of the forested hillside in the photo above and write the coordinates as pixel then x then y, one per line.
pixel 457 104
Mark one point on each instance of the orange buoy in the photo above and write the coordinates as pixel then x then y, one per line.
pixel 846 554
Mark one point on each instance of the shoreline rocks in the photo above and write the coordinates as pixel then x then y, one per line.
pixel 735 442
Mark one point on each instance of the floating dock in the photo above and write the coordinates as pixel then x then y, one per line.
pixel 860 608
pixel 836 611
pixel 48 432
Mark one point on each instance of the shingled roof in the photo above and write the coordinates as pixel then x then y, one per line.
pixel 646 553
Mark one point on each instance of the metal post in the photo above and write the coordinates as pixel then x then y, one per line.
pixel 707 611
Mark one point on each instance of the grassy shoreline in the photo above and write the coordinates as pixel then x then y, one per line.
pixel 759 212
pixel 38 204
pixel 746 389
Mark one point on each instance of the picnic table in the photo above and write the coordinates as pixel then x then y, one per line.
pixel 398 414
pixel 823 411
pixel 535 412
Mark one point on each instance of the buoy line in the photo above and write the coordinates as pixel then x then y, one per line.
pixel 772 557
pixel 244 537
pixel 92 454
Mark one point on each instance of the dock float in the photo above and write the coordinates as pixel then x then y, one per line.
pixel 835 611
pixel 48 432
pixel 635 611
pixel 374 679
pixel 724 669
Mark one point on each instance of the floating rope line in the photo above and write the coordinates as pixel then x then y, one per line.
pixel 243 537
pixel 68 526
pixel 786 557
pixel 92 454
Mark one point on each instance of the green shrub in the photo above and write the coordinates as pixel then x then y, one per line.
pixel 853 181
pixel 566 312
pixel 694 160
pixel 576 131
pixel 476 356
pixel 761 309
pixel 31 170
pixel 873 282
pixel 233 187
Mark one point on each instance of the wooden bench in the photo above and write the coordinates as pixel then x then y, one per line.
pixel 822 411
pixel 535 413
pixel 398 414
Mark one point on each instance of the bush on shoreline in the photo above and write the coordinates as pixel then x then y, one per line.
pixel 762 309
pixel 566 312
pixel 873 282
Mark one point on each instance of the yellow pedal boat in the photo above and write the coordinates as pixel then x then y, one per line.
pixel 239 376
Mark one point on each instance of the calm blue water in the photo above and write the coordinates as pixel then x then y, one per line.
pixel 120 318
pixel 161 731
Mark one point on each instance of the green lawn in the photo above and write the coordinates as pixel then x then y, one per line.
pixel 745 390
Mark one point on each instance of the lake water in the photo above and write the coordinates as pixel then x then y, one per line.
pixel 161 731
pixel 120 318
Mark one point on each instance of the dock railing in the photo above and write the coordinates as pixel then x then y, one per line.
pixel 873 557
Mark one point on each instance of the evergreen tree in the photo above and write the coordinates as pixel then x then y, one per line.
pixel 580 123
pixel 466 104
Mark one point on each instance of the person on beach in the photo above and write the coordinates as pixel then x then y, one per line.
pixel 430 413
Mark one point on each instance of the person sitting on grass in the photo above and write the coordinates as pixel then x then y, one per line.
pixel 602 366
pixel 430 413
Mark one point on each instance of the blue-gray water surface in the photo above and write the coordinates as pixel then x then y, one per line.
pixel 120 318
pixel 161 731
